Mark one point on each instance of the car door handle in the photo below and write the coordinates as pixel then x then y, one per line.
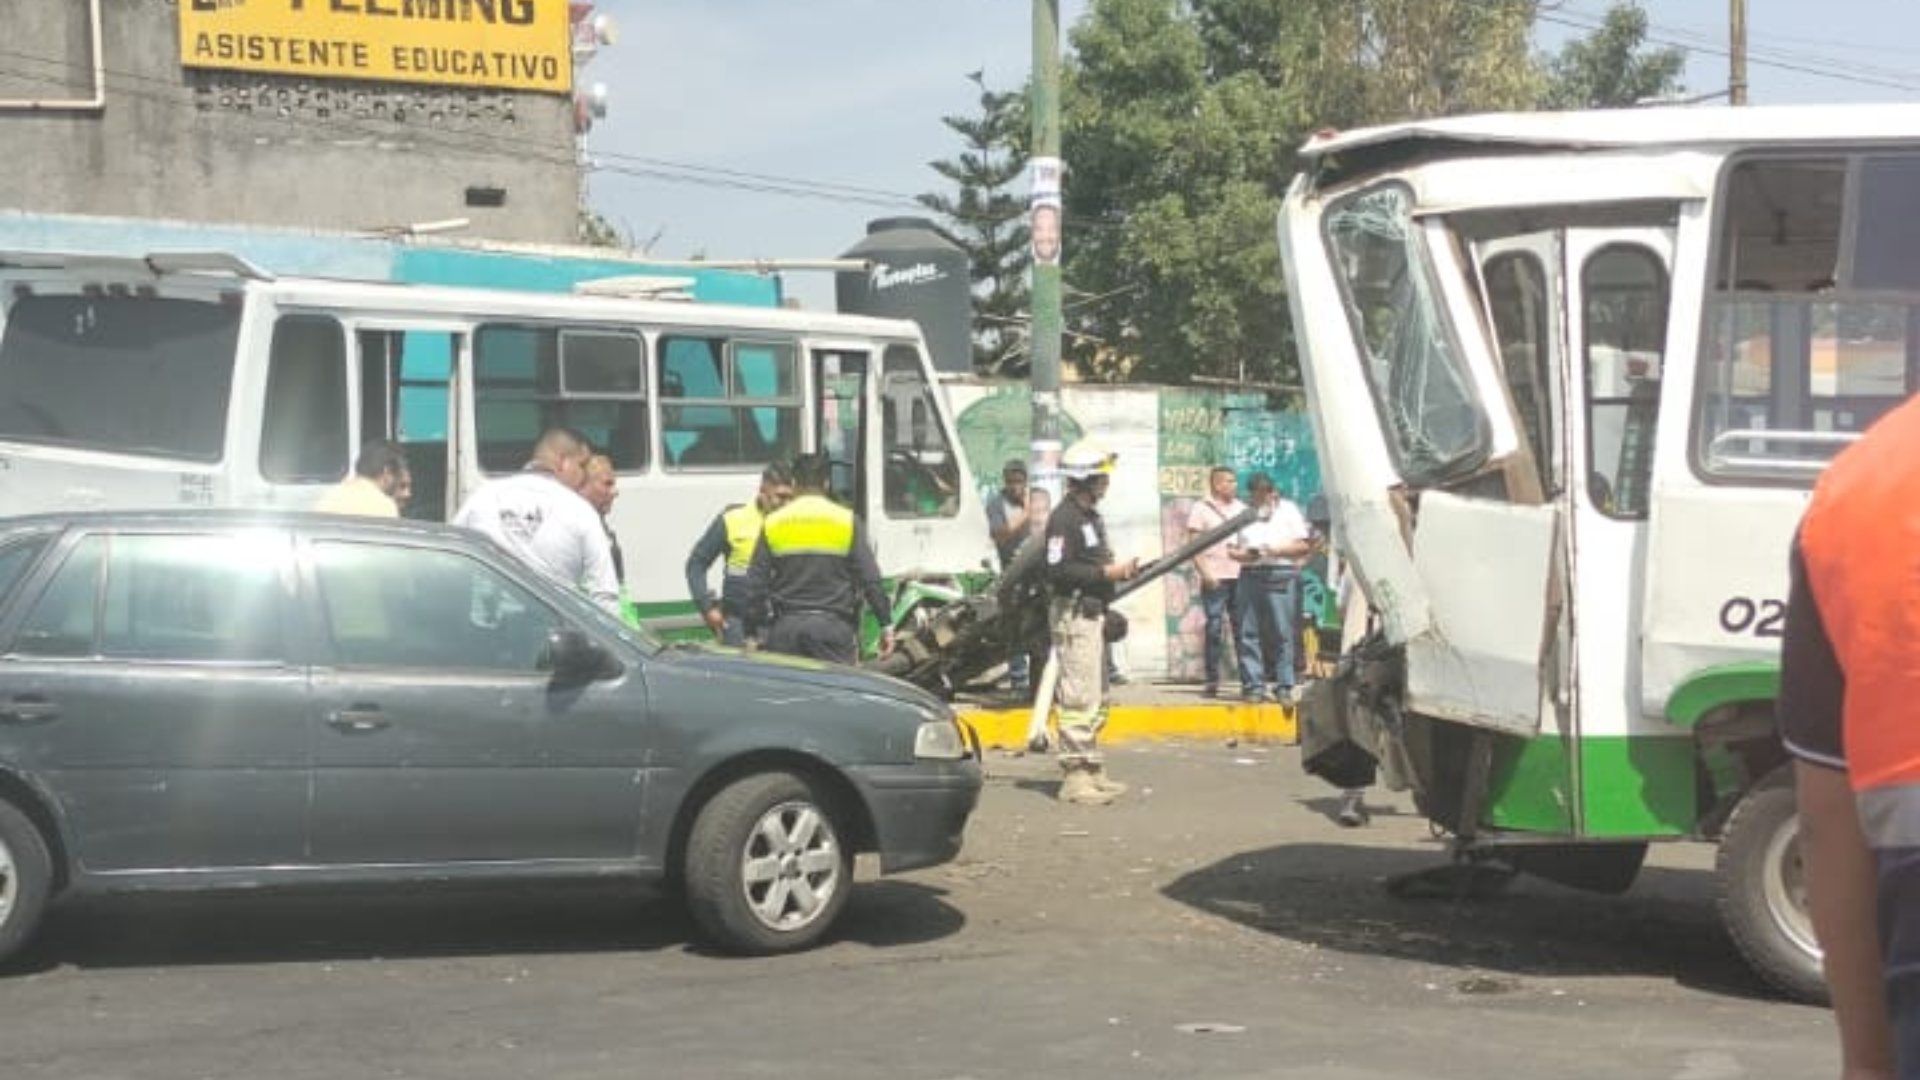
pixel 358 719
pixel 28 710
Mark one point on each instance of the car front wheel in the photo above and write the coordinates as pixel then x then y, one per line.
pixel 25 878
pixel 767 868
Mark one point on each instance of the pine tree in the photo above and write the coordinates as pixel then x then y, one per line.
pixel 987 219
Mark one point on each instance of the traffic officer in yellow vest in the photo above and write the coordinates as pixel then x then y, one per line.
pixel 1081 574
pixel 810 572
pixel 734 533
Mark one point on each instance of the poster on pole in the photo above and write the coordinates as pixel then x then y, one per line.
pixel 1044 210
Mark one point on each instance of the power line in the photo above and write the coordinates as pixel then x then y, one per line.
pixel 1860 75
pixel 1708 41
pixel 1712 34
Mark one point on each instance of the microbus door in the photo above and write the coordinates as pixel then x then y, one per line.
pixel 1619 296
pixel 840 380
pixel 920 511
pixel 406 382
pixel 1431 483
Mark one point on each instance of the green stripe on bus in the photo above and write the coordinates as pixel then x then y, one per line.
pixel 1727 684
pixel 1531 785
pixel 1638 786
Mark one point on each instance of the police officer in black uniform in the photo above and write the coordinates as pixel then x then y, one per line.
pixel 811 569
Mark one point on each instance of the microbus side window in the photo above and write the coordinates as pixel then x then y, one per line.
pixel 921 477
pixel 1812 313
pixel 1434 426
pixel 530 378
pixel 1623 290
pixel 127 374
pixel 303 426
pixel 728 404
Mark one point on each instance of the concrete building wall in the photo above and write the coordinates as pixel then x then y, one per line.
pixel 265 149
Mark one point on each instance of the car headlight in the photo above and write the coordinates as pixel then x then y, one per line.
pixel 939 740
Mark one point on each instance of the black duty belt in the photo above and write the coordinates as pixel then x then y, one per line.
pixel 841 615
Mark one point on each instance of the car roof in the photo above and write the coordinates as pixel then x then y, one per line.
pixel 239 519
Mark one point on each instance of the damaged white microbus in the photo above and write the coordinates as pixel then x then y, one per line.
pixel 1573 376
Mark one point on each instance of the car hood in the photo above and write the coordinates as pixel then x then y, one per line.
pixel 735 664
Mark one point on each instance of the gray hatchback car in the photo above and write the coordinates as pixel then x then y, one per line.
pixel 209 700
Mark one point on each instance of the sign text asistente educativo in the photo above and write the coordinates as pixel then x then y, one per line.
pixel 501 44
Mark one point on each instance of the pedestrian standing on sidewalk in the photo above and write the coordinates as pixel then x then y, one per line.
pixel 1219 571
pixel 1270 552
pixel 1008 526
pixel 1081 575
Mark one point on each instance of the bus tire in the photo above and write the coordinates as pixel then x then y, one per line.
pixel 1763 899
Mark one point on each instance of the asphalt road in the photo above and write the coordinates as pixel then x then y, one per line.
pixel 1214 924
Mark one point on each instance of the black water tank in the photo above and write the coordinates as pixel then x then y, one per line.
pixel 917 273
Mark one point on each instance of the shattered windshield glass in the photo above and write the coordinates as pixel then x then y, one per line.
pixel 1419 381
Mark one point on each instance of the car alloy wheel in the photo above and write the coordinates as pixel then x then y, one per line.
pixel 9 882
pixel 790 869
pixel 26 878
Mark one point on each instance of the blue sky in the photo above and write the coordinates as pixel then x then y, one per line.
pixel 850 92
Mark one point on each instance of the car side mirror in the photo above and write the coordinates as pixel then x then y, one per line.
pixel 576 659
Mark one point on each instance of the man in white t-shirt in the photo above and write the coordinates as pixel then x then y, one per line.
pixel 1270 553
pixel 1219 572
pixel 540 516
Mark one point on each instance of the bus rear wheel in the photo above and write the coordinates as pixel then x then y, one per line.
pixel 1763 893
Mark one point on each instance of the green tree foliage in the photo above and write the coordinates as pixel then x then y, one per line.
pixel 1612 67
pixel 987 218
pixel 1181 119
pixel 596 231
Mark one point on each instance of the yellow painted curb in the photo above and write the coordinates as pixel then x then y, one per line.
pixel 1273 723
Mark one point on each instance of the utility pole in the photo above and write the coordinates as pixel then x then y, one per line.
pixel 1045 218
pixel 1737 54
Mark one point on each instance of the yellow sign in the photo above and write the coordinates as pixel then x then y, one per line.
pixel 509 44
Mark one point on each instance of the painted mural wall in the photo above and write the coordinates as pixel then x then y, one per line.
pixel 1168 438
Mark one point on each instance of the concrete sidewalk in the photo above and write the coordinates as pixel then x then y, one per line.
pixel 1141 711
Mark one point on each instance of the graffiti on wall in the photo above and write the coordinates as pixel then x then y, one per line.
pixel 1196 430
pixel 1199 431
pixel 998 428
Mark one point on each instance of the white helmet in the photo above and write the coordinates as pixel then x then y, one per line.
pixel 1086 459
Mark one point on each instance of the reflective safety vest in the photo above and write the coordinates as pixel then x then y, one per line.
pixel 743 525
pixel 1860 542
pixel 810 525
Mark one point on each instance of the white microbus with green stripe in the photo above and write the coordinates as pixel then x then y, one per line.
pixel 1572 377
pixel 200 380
